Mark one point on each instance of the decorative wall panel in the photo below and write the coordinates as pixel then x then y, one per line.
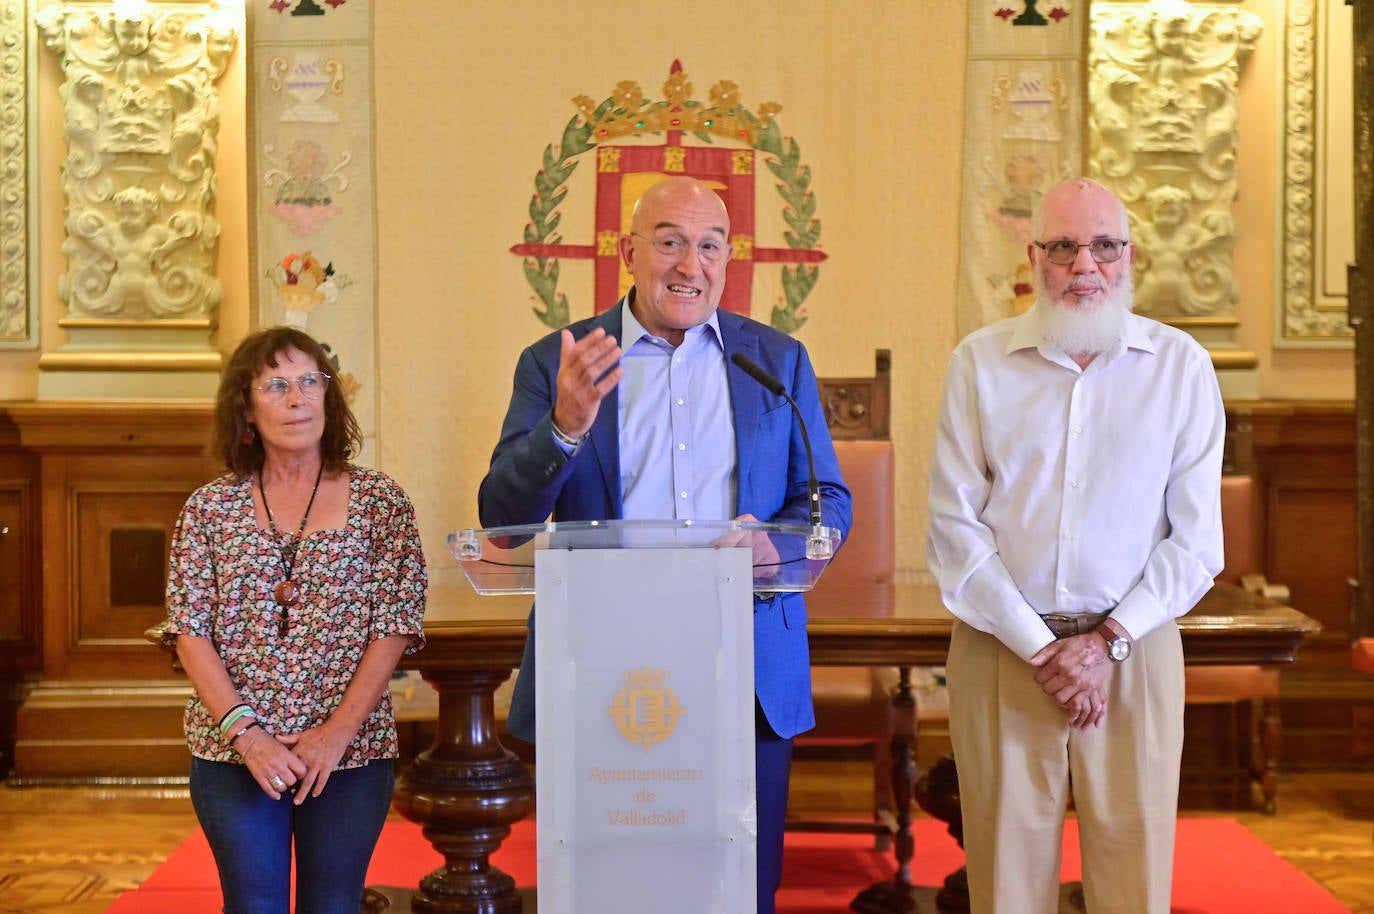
pixel 1165 81
pixel 1316 196
pixel 18 254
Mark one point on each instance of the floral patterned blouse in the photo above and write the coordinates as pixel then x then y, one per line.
pixel 358 584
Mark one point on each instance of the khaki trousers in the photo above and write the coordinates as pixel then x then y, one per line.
pixel 1019 762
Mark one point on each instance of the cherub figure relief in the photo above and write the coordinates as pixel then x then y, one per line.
pixel 123 258
pixel 1180 263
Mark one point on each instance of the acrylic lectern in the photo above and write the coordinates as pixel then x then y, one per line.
pixel 645 700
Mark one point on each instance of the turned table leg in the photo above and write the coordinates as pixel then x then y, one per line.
pixel 898 895
pixel 466 790
pixel 1270 743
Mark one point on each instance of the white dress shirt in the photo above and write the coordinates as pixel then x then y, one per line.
pixel 1060 489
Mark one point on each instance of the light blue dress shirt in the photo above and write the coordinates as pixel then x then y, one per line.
pixel 677 435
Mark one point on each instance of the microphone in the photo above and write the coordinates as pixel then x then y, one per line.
pixel 818 545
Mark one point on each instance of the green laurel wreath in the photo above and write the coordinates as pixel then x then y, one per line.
pixel 784 161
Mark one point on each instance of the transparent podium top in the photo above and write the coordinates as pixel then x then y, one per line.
pixel 787 556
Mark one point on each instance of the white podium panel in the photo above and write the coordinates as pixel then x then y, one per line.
pixel 644 700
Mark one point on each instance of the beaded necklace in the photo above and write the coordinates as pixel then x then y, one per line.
pixel 287 593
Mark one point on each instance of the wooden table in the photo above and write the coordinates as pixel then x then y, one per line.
pixel 1228 626
pixel 467 789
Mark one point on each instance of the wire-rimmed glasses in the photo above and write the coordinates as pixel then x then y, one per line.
pixel 674 247
pixel 1064 252
pixel 312 386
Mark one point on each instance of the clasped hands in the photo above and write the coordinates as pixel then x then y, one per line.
pixel 301 762
pixel 1073 671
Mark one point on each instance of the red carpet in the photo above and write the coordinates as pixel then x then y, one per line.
pixel 1220 868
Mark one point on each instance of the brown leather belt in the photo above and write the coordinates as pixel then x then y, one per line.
pixel 1066 626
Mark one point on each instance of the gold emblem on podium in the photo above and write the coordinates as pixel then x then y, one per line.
pixel 646 709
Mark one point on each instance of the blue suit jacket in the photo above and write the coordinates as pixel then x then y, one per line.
pixel 530 480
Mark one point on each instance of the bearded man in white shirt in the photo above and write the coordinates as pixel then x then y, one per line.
pixel 1075 513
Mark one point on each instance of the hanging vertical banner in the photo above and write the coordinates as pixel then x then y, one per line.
pixel 311 185
pixel 1023 133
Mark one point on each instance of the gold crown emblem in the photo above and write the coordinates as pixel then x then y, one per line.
pixel 646 710
pixel 629 113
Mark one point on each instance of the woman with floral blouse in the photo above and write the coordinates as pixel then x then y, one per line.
pixel 296 584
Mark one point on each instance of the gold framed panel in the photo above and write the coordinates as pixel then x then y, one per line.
pixel 18 219
pixel 1316 192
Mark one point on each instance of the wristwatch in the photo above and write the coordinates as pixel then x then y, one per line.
pixel 1118 646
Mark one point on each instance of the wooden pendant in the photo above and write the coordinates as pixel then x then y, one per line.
pixel 287 593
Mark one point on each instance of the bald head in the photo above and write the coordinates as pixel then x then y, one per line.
pixel 677 252
pixel 676 195
pixel 1083 196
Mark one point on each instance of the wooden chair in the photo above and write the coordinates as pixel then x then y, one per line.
pixel 1361 649
pixel 853 704
pixel 1244 699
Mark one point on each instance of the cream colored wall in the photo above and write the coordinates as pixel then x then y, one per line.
pixel 469 95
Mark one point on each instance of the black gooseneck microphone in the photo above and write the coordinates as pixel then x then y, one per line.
pixel 773 385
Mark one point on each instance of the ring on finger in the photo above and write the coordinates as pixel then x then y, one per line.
pixel 278 783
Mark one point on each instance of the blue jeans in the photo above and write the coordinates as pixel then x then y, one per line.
pixel 251 836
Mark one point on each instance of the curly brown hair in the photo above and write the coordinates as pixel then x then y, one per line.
pixel 242 452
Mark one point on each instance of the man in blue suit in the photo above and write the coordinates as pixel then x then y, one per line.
pixel 639 413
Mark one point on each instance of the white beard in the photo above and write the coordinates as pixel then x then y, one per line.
pixel 1079 331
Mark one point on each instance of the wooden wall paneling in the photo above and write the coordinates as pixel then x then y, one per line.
pixel 114 476
pixel 20 614
pixel 1303 462
pixel 20 610
pixel 110 585
pixel 1312 548
pixel 19 535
